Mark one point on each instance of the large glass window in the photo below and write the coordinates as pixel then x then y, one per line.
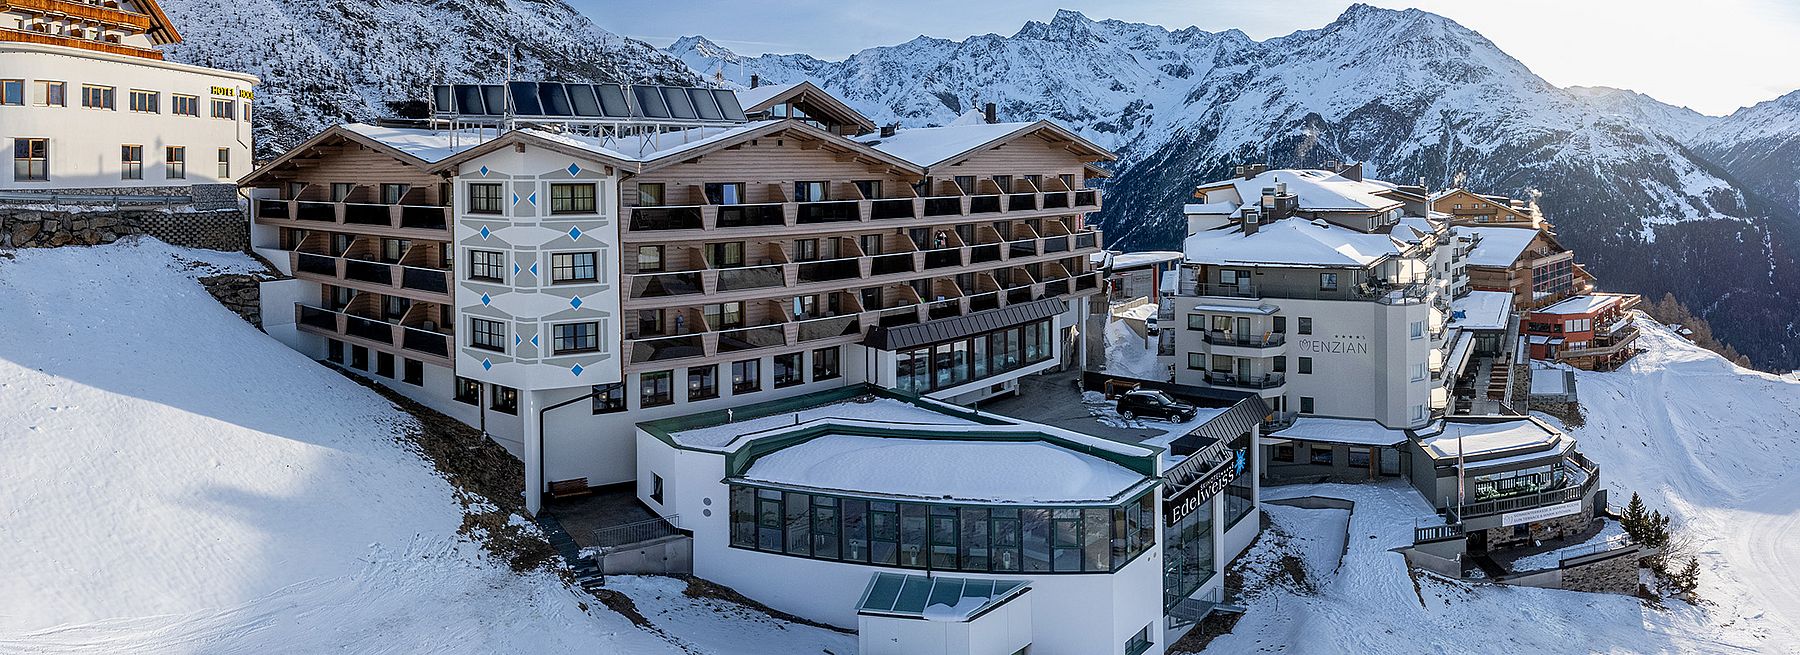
pixel 787 370
pixel 656 388
pixel 572 198
pixel 487 265
pixel 487 334
pixel 485 198
pixel 573 267
pixel 826 364
pixel 609 398
pixel 703 382
pixel 746 376
pixel 954 363
pixel 568 338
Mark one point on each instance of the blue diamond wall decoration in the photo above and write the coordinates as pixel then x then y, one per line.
pixel 575 302
pixel 574 232
pixel 534 341
pixel 532 198
pixel 485 299
pixel 485 364
pixel 576 369
pixel 534 269
pixel 485 233
pixel 484 171
pixel 574 170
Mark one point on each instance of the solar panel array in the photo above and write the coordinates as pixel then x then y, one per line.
pixel 588 101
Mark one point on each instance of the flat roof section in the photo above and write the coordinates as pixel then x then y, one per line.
pixel 1500 246
pixel 1293 242
pixel 719 437
pixel 1488 439
pixel 1357 432
pixel 935 598
pixel 1585 304
pixel 999 472
pixel 1481 310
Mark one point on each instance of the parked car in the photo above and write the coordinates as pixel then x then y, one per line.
pixel 1146 402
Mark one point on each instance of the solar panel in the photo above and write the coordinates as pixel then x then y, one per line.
pixel 444 97
pixel 494 97
pixel 613 103
pixel 650 102
pixel 680 105
pixel 728 105
pixel 553 99
pixel 705 104
pixel 468 99
pixel 583 101
pixel 524 98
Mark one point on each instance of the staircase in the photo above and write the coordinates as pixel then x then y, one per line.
pixel 587 574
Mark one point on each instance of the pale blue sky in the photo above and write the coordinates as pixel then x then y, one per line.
pixel 1713 56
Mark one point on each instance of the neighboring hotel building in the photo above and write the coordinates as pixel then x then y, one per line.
pixel 1593 331
pixel 557 290
pixel 87 102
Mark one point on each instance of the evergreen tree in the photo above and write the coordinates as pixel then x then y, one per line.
pixel 1635 519
pixel 1688 578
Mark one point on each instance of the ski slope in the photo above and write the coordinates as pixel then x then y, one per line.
pixel 174 481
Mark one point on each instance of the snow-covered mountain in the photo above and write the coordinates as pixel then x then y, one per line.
pixel 1412 94
pixel 322 61
pixel 1760 145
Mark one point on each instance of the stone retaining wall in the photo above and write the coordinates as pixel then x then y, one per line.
pixel 1541 530
pixel 1615 572
pixel 239 293
pixel 37 227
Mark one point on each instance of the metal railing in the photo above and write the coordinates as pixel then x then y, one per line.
pixel 1265 381
pixel 1247 341
pixel 763 215
pixel 1422 534
pixel 636 532
pixel 1528 501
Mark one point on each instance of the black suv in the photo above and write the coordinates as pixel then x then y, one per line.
pixel 1144 402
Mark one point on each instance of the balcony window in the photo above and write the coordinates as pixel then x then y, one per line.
pixel 703 382
pixel 726 255
pixel 485 198
pixel 131 162
pixel 183 105
pixel 1328 281
pixel 787 370
pixel 570 198
pixel 341 191
pixel 811 191
pixel 31 159
pixel 656 388
pixel 506 400
pixel 175 162
pixel 468 391
pixel 746 376
pixel 827 364
pixel 609 398
pixel 391 194
pixel 650 194
pixel 573 267
pixel 395 307
pixel 966 183
pixel 487 265
pixel 97 97
pixel 487 335
pixel 572 338
pixel 870 189
pixel 725 193
pixel 393 249
pixel 650 259
pixel 725 316
pixel 650 322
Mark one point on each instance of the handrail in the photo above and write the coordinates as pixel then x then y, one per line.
pixel 635 532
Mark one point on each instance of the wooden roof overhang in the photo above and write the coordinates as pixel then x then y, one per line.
pixel 1087 151
pixel 813 96
pixel 810 138
pixel 313 151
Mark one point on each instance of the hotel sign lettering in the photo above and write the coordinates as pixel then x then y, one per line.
pixel 1339 346
pixel 1540 514
pixel 1180 504
pixel 230 92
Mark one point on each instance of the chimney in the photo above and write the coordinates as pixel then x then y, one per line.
pixel 755 80
pixel 1331 165
pixel 1352 172
pixel 1238 171
pixel 987 111
pixel 889 130
pixel 1252 220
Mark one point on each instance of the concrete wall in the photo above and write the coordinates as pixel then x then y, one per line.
pixel 1003 630
pixel 671 555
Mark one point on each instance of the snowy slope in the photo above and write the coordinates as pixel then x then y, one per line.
pixel 176 481
pixel 1411 94
pixel 1719 447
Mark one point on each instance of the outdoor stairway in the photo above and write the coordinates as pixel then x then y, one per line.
pixel 587 574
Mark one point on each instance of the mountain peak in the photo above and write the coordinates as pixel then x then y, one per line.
pixel 700 45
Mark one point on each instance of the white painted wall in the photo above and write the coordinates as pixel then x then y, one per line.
pixel 1003 630
pixel 84 143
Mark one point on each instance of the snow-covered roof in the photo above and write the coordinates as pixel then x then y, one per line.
pixel 934 597
pixel 749 98
pixel 1317 190
pixel 1482 310
pixel 1209 208
pixel 645 147
pixel 1033 472
pixel 1290 242
pixel 1412 228
pixel 1144 258
pixel 1236 309
pixel 1489 438
pixel 1341 430
pixel 1499 246
pixel 718 437
pixel 430 146
pixel 1583 304
pixel 926 146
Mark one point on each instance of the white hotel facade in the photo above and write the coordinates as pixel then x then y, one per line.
pixel 88 103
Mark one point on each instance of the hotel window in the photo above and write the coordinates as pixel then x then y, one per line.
pixel 725 193
pixel 334 351
pixel 341 191
pixel 1197 361
pixel 826 364
pixel 468 391
pixel 51 94
pixel 703 382
pixel 487 265
pixel 572 267
pixel 1197 322
pixel 746 376
pixel 1139 643
pixel 1278 365
pixel 506 400
pixel 1280 325
pixel 31 159
pixel 175 162
pixel 224 163
pixel 412 372
pixel 181 105
pixel 1004 182
pixel 811 191
pixel 656 389
pixel 1328 281
pixel 609 398
pixel 246 114
pixel 131 162
pixel 394 308
pixel 650 194
pixel 487 335
pixel 148 102
pixel 1305 326
pixel 484 198
pixel 1578 325
pixel 572 198
pixel 576 338
pixel 787 370
pixel 650 259
pixel 1418 371
pixel 1284 452
pixel 1418 413
pixel 393 249
pixel 650 322
pixel 224 109
pixel 806 250
pixel 97 97
pixel 966 183
pixel 1417 329
pixel 870 243
pixel 12 92
pixel 870 189
pixel 1306 404
pixel 1319 455
pixel 359 358
pixel 391 194
pixel 384 364
pixel 725 316
pixel 726 255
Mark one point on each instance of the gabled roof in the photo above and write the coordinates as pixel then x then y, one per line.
pixel 763 97
pixel 935 148
pixel 1317 190
pixel 1501 246
pixel 162 30
pixel 653 159
pixel 1292 242
pixel 413 147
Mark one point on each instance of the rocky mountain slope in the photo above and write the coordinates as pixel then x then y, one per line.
pixel 325 61
pixel 1412 94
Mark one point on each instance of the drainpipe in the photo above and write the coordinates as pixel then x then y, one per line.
pixel 534 493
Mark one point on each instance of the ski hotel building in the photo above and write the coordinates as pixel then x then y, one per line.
pixel 768 318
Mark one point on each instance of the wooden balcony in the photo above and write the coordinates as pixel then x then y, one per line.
pixel 28 36
pixel 777 219
pixel 424 222
pixel 416 283
pixel 432 347
pixel 112 15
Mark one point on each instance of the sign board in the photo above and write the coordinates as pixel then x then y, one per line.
pixel 1178 505
pixel 231 92
pixel 1542 513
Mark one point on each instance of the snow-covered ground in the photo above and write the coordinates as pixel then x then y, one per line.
pixel 1132 355
pixel 176 481
pixel 1612 535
